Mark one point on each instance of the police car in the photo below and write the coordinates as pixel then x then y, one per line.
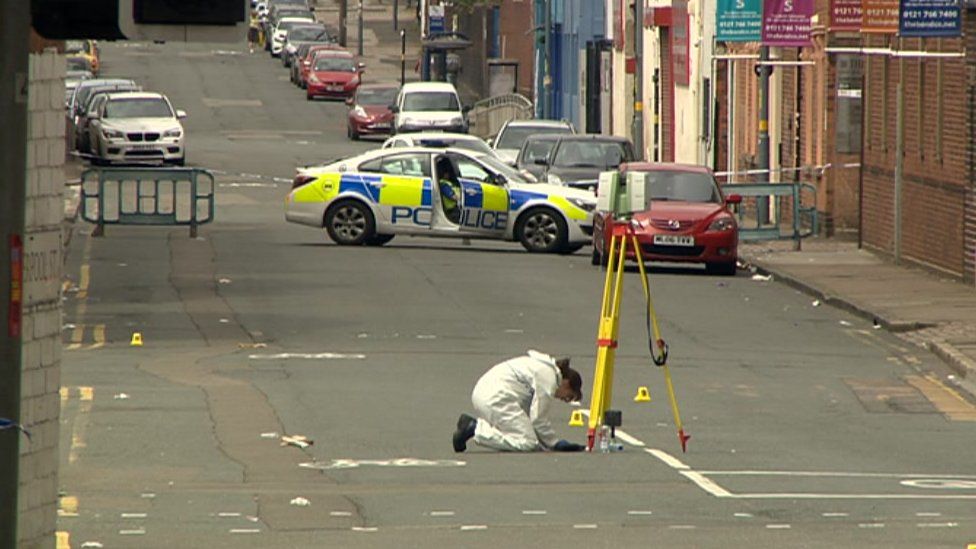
pixel 370 198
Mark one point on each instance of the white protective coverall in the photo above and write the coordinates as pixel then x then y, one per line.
pixel 512 402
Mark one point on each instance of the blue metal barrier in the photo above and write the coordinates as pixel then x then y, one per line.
pixel 800 199
pixel 147 196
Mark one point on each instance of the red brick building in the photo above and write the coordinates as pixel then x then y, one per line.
pixel 935 224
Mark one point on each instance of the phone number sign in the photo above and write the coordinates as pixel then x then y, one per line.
pixel 924 18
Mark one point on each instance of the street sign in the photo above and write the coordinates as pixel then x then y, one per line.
pixel 787 22
pixel 435 18
pixel 925 18
pixel 739 21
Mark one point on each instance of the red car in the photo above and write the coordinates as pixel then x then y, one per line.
pixel 369 110
pixel 301 69
pixel 333 74
pixel 687 219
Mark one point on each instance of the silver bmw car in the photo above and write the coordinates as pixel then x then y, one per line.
pixel 136 127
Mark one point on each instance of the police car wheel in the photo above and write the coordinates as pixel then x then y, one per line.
pixel 541 230
pixel 349 223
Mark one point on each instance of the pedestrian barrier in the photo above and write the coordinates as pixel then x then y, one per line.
pixel 792 210
pixel 488 115
pixel 147 196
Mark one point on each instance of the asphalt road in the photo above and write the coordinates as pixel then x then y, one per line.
pixel 809 427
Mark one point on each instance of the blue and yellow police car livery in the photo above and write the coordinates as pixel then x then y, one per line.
pixel 370 198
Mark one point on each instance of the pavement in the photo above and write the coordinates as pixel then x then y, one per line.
pixel 931 310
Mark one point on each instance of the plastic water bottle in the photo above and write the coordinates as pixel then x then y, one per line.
pixel 604 439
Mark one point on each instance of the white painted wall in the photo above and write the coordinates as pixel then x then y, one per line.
pixel 41 358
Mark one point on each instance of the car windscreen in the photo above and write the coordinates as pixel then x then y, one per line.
pixel 84 93
pixel 533 150
pixel 376 96
pixel 589 154
pixel 335 64
pixel 509 172
pixel 682 186
pixel 288 25
pixel 431 101
pixel 74 46
pixel 137 108
pixel 514 136
pixel 308 34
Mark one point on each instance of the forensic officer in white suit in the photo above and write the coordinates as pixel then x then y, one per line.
pixel 512 403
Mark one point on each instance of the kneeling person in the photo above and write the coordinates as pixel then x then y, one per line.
pixel 512 403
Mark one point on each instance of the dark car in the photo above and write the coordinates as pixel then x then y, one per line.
pixel 369 110
pixel 577 160
pixel 312 33
pixel 686 219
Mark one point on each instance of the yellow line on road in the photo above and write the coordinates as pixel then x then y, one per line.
pixel 77 335
pixel 945 399
pixel 85 277
pixel 80 423
pixel 64 540
pixel 99 335
pixel 68 506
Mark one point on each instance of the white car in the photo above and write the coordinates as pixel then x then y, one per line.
pixel 424 106
pixel 136 127
pixel 280 32
pixel 370 198
pixel 513 133
pixel 440 140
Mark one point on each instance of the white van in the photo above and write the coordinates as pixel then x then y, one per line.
pixel 423 106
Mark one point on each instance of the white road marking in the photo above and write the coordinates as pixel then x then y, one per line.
pixel 707 484
pixel 742 515
pixel 426 336
pixel 667 458
pixel 147 495
pixel 778 526
pixel 134 515
pixel 228 515
pixel 249 184
pixel 682 527
pixel 928 514
pixel 940 483
pixel 514 331
pixel 470 527
pixel 830 515
pixel 834 474
pixel 871 525
pixel 139 532
pixel 848 496
pixel 442 513
pixel 534 512
pixel 340 514
pixel 310 356
pixel 585 526
pixel 937 524
pixel 245 530
pixel 397 462
pixel 637 512
pixel 364 529
pixel 629 439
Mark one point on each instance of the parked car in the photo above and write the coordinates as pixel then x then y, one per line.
pixel 278 11
pixel 280 32
pixel 577 160
pixel 369 110
pixel 71 80
pixel 686 219
pixel 424 106
pixel 513 133
pixel 79 99
pixel 333 74
pixel 137 126
pixel 370 198
pixel 533 155
pixel 82 141
pixel 87 49
pixel 303 60
pixel 440 140
pixel 300 34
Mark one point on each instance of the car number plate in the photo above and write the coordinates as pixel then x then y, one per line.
pixel 334 88
pixel 674 240
pixel 142 147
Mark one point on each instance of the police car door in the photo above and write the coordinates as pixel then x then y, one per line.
pixel 485 199
pixel 400 185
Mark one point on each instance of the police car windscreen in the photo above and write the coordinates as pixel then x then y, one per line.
pixel 431 101
pixel 682 187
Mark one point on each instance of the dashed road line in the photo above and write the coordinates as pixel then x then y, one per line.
pixel 871 525
pixel 639 512
pixel 133 532
pixel 834 515
pixel 925 514
pixel 534 512
pixel 365 529
pixel 778 526
pixel 133 515
pixel 67 506
pixel 472 527
pixel 442 513
pixel 937 524
pixel 340 514
pixel 63 540
pixel 585 526
pixel 742 515
pixel 245 531
pixel 682 527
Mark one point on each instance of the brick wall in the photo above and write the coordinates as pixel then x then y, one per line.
pixel 518 40
pixel 41 363
pixel 937 140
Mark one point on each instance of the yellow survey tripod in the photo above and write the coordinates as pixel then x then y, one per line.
pixel 623 240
